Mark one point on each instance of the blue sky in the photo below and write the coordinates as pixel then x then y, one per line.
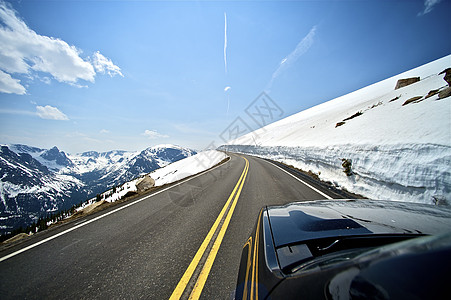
pixel 104 75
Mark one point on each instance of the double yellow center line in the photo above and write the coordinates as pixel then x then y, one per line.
pixel 203 275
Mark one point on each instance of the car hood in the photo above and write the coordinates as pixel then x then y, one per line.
pixel 302 221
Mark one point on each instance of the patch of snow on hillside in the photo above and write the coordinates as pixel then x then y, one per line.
pixel 187 167
pixel 60 184
pixel 398 152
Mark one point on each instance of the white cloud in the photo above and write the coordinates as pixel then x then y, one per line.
pixel 23 51
pixel 302 47
pixel 104 131
pixel 428 6
pixel 105 65
pixel 10 85
pixel 153 134
pixel 50 113
pixel 46 80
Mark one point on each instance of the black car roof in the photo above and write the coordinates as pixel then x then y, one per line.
pixel 302 221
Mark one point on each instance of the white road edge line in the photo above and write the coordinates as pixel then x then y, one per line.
pixel 102 216
pixel 315 189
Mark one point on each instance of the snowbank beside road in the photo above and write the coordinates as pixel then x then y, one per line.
pixel 187 167
pixel 412 173
pixel 399 150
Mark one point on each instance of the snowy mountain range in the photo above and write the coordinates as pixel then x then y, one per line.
pixel 36 182
pixel 390 140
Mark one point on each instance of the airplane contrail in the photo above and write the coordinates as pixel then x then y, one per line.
pixel 225 42
pixel 302 47
pixel 227 88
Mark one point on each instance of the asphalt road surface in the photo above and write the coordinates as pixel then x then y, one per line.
pixel 182 241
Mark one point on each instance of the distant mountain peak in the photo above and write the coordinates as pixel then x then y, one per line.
pixel 59 157
pixel 162 146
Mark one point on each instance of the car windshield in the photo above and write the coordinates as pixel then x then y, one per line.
pixel 388 247
pixel 329 260
pixel 330 251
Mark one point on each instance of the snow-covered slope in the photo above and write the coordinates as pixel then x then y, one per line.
pixel 187 167
pixel 397 150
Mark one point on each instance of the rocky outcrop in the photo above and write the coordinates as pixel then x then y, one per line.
pixel 405 82
pixel 431 93
pixel 413 100
pixel 145 183
pixel 59 157
pixel 447 77
pixel 445 93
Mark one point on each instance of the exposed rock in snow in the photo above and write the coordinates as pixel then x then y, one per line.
pixel 405 82
pixel 447 77
pixel 145 183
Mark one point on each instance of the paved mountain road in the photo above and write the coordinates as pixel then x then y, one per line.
pixel 141 249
